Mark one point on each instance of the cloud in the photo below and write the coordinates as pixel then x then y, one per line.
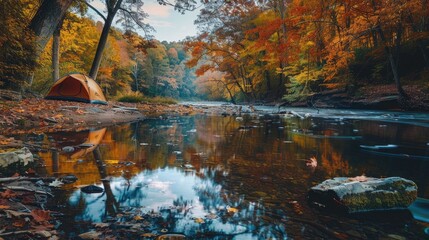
pixel 159 23
pixel 99 5
pixel 156 10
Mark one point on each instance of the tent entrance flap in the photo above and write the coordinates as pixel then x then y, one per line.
pixel 77 87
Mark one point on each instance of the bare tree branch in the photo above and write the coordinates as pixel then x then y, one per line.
pixel 181 6
pixel 94 9
pixel 137 21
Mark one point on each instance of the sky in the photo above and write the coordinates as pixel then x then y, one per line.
pixel 168 23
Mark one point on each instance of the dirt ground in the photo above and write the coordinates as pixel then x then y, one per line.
pixel 40 115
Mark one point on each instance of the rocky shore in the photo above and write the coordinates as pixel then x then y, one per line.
pixel 383 97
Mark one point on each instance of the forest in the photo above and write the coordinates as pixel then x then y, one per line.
pixel 246 50
pixel 275 119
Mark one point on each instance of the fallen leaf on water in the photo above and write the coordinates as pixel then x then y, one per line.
pixel 137 218
pixel 312 162
pixel 231 210
pixel 40 215
pixel 56 183
pixel 199 220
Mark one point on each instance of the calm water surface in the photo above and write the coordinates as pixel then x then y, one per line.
pixel 213 177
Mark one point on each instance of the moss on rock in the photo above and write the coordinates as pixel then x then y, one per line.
pixel 368 195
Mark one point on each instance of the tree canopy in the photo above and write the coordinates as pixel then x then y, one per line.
pixel 297 48
pixel 246 50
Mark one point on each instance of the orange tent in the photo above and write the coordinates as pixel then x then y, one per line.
pixel 77 87
pixel 94 138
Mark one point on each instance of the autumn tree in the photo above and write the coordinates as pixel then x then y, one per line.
pixel 46 20
pixel 79 41
pixel 130 11
pixel 76 7
pixel 223 24
pixel 17 43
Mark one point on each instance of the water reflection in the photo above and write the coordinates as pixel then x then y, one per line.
pixel 219 177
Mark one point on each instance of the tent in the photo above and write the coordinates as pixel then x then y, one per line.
pixel 77 87
pixel 94 138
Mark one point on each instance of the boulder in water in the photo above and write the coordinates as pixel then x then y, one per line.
pixel 22 155
pixel 362 194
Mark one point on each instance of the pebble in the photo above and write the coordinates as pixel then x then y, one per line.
pixel 68 149
pixel 92 189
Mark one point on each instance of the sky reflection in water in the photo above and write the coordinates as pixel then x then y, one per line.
pixel 242 178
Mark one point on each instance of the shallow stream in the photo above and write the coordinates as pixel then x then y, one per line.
pixel 215 177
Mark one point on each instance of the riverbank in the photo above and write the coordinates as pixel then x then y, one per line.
pixel 40 115
pixel 36 115
pixel 378 97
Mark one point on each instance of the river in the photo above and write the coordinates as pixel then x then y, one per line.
pixel 242 177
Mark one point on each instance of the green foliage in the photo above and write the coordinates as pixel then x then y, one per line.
pixel 301 76
pixel 130 97
pixel 295 91
pixel 137 97
pixel 160 100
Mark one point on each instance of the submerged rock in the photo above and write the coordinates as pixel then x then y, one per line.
pixel 92 189
pixel 70 178
pixel 361 194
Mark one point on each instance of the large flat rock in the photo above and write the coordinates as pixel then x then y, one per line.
pixel 22 155
pixel 361 194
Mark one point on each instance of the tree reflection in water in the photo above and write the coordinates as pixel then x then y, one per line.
pixel 215 177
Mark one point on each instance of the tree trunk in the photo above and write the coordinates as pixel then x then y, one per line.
pixel 280 85
pixel 112 9
pixel 246 96
pixel 112 204
pixel 419 41
pixel 56 53
pixel 423 51
pixel 268 82
pixel 230 94
pixel 282 39
pixel 100 48
pixel 46 20
pixel 393 65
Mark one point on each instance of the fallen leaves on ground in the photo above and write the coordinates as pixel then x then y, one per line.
pixel 8 194
pixel 90 235
pixel 41 216
pixel 41 115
